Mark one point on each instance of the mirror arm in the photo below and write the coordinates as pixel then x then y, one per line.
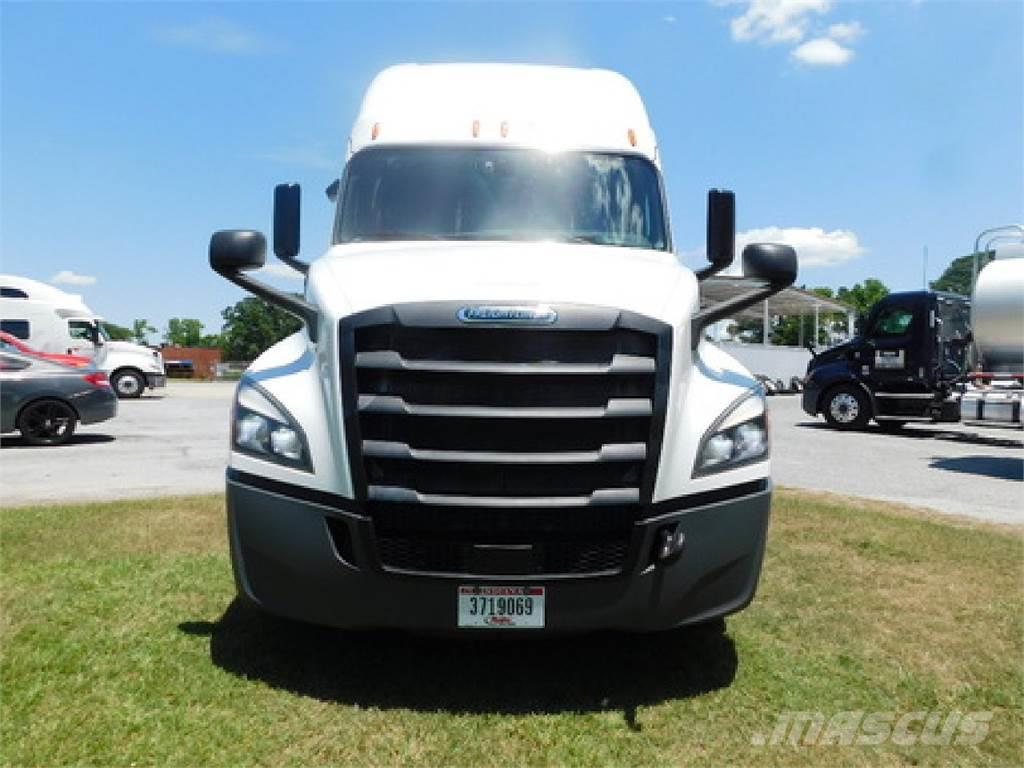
pixel 301 308
pixel 291 261
pixel 721 311
pixel 708 271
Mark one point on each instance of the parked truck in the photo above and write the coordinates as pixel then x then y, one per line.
pixel 52 320
pixel 501 411
pixel 929 356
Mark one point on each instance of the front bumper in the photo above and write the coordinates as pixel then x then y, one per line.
pixel 286 560
pixel 156 380
pixel 810 396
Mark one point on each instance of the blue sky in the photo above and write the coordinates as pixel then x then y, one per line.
pixel 861 132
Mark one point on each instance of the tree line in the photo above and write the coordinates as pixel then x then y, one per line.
pixel 250 326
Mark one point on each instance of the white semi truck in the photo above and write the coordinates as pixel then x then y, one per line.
pixel 52 320
pixel 501 411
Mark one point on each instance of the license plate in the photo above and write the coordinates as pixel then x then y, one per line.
pixel 501 607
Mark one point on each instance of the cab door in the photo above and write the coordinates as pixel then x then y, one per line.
pixel 895 357
pixel 81 338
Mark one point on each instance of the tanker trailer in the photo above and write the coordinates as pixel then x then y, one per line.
pixel 997 324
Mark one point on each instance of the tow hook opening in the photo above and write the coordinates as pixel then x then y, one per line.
pixel 668 544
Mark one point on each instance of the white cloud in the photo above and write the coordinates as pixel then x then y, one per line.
pixel 822 52
pixel 215 35
pixel 814 246
pixel 67 277
pixel 777 21
pixel 280 270
pixel 792 22
pixel 669 19
pixel 846 31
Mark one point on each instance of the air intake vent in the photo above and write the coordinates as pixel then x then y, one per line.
pixel 523 437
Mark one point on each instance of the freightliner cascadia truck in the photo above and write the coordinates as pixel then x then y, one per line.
pixel 501 411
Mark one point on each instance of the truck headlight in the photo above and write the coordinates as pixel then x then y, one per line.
pixel 262 427
pixel 740 436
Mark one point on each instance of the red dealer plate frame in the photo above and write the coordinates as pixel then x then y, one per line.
pixel 501 607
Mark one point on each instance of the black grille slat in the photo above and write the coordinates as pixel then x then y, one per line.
pixel 542 439
pixel 475 479
pixel 563 557
pixel 504 435
pixel 509 390
pixel 495 525
pixel 512 346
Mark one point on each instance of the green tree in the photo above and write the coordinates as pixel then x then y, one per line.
pixel 863 295
pixel 184 332
pixel 251 326
pixel 957 276
pixel 141 330
pixel 117 332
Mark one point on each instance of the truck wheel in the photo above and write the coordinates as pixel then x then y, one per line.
pixel 128 384
pixel 47 422
pixel 846 407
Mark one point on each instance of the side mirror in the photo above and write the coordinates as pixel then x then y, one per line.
pixel 721 235
pixel 772 262
pixel 287 215
pixel 332 190
pixel 233 250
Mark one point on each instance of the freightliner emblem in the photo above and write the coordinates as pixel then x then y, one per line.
pixel 519 314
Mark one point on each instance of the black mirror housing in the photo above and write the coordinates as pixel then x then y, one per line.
pixel 287 214
pixel 238 250
pixel 773 262
pixel 721 235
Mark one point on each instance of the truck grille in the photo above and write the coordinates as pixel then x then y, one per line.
pixel 533 447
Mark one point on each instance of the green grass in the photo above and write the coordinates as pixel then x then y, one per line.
pixel 122 645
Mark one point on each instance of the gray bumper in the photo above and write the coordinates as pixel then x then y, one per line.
pixel 155 380
pixel 287 561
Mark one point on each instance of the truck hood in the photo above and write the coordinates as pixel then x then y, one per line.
pixel 126 347
pixel 353 278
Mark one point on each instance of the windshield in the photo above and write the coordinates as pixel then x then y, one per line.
pixel 456 193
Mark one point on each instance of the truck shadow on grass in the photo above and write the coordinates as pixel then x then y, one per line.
pixel 509 674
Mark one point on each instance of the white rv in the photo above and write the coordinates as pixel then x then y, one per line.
pixel 52 320
pixel 501 412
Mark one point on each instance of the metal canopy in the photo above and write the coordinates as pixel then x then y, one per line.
pixel 790 301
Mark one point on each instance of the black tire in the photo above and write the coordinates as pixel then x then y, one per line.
pixel 846 407
pixel 128 384
pixel 47 422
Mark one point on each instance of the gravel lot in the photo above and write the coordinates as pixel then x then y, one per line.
pixel 176 442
